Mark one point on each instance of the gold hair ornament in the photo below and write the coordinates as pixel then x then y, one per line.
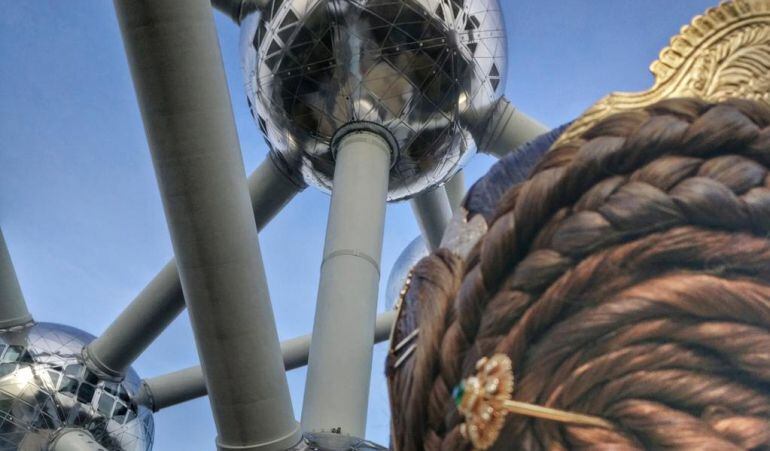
pixel 485 400
pixel 723 53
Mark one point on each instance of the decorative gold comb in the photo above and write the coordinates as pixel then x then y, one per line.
pixel 723 53
pixel 485 401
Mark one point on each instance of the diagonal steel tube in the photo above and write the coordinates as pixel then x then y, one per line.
pixel 176 65
pixel 433 212
pixel 504 128
pixel 185 385
pixel 13 308
pixel 161 301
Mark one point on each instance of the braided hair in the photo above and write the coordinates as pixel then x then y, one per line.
pixel 627 278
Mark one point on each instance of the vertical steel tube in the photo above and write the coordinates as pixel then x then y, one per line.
pixel 337 387
pixel 433 213
pixel 455 190
pixel 158 304
pixel 13 309
pixel 506 129
pixel 177 69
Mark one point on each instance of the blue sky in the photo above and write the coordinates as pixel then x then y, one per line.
pixel 79 204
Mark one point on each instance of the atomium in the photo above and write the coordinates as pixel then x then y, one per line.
pixel 423 69
pixel 44 388
pixel 426 75
pixel 415 251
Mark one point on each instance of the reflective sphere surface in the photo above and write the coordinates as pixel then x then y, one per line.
pixel 413 253
pixel 421 68
pixel 44 387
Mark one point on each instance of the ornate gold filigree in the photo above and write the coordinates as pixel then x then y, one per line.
pixel 481 400
pixel 723 53
pixel 484 399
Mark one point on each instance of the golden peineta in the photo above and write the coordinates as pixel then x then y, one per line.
pixel 722 54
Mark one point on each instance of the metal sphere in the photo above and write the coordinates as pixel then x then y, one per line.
pixel 412 253
pixel 44 387
pixel 423 69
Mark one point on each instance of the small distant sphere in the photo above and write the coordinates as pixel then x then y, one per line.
pixel 45 387
pixel 420 68
pixel 412 253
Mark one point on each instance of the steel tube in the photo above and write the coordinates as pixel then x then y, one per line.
pixel 173 388
pixel 505 129
pixel 13 308
pixel 238 9
pixel 180 83
pixel 74 439
pixel 158 304
pixel 270 189
pixel 433 213
pixel 185 385
pixel 340 361
pixel 455 190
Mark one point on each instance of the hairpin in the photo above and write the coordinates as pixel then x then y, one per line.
pixel 395 350
pixel 485 400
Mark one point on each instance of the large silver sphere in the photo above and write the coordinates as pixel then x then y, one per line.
pixel 413 253
pixel 45 387
pixel 421 68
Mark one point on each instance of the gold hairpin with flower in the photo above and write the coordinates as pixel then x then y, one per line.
pixel 484 399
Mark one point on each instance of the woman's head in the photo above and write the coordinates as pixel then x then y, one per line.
pixel 627 278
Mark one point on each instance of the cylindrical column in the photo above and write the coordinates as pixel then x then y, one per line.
pixel 75 439
pixel 455 190
pixel 433 213
pixel 337 387
pixel 173 388
pixel 270 190
pixel 505 129
pixel 13 309
pixel 156 306
pixel 148 315
pixel 185 385
pixel 177 69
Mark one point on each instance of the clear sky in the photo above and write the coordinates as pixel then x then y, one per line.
pixel 80 207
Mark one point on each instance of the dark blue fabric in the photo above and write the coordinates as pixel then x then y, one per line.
pixel 511 170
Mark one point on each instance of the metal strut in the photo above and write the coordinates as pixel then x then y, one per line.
pixel 161 301
pixel 170 389
pixel 433 212
pixel 504 129
pixel 176 66
pixel 13 308
pixel 340 363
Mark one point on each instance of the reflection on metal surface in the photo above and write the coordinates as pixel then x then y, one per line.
pixel 413 253
pixel 723 53
pixel 414 66
pixel 45 387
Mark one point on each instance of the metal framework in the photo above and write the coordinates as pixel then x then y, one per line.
pixel 214 213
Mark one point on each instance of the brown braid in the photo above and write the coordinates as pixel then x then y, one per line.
pixel 628 278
